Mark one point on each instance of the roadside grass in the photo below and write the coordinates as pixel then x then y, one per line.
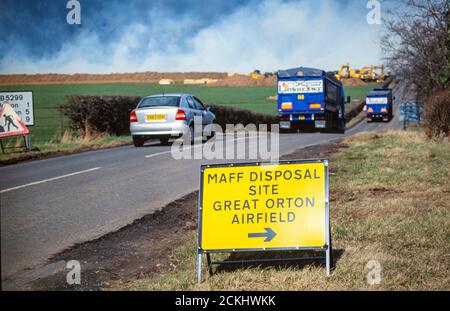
pixel 48 97
pixel 68 143
pixel 355 120
pixel 390 202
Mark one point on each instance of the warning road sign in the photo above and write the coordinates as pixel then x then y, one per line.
pixel 10 123
pixel 247 207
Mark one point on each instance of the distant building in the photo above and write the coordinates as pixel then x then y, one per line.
pixel 166 81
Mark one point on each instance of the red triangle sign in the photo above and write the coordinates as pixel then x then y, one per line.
pixel 10 123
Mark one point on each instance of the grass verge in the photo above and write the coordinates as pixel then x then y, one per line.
pixel 15 152
pixel 389 203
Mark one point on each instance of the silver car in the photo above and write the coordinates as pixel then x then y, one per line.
pixel 167 115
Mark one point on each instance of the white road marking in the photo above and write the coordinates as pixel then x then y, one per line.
pixel 196 146
pixel 50 179
pixel 157 154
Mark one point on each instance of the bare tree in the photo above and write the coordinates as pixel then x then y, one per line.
pixel 417 44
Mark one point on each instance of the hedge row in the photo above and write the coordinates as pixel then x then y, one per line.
pixel 229 115
pixel 100 114
pixel 110 114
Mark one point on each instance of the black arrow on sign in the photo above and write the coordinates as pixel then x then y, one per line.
pixel 269 234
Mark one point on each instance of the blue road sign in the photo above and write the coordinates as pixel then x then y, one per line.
pixel 411 111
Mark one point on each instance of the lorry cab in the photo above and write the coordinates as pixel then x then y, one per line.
pixel 379 105
pixel 310 98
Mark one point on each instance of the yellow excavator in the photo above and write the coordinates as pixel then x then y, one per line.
pixel 370 73
pixel 355 73
pixel 256 74
pixel 379 77
pixel 345 72
pixel 367 73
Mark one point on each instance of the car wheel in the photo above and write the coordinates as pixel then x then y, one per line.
pixel 213 132
pixel 164 141
pixel 138 141
pixel 191 135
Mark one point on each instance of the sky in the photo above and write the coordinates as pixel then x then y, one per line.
pixel 190 35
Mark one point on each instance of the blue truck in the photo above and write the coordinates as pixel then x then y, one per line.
pixel 310 98
pixel 379 105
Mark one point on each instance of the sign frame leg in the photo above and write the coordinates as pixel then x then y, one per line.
pixel 26 139
pixel 199 267
pixel 208 262
pixel 327 223
pixel 328 261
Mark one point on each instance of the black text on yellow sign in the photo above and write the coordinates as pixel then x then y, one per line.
pixel 263 206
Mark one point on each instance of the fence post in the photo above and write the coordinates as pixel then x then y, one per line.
pixel 26 139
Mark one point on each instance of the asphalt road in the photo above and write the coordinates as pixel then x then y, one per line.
pixel 51 204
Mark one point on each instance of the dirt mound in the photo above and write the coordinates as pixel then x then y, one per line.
pixel 353 82
pixel 242 80
pixel 149 77
pixel 136 77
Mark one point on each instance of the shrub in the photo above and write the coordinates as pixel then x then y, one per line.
pixel 229 115
pixel 100 114
pixel 437 114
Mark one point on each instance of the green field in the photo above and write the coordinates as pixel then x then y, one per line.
pixel 48 97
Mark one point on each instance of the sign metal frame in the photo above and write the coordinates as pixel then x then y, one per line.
pixel 327 247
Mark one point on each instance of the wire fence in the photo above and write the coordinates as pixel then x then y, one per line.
pixel 50 125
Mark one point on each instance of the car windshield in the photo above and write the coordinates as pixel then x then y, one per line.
pixel 170 101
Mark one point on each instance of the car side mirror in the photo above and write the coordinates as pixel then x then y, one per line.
pixel 349 99
pixel 210 109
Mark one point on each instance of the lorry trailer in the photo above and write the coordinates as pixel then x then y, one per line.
pixel 310 98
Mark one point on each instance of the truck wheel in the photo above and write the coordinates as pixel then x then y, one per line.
pixel 328 124
pixel 341 129
pixel 138 141
pixel 286 131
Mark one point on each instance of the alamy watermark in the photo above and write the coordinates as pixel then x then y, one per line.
pixel 373 277
pixel 374 14
pixel 250 142
pixel 73 16
pixel 73 277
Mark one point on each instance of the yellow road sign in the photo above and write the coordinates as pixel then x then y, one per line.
pixel 254 207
